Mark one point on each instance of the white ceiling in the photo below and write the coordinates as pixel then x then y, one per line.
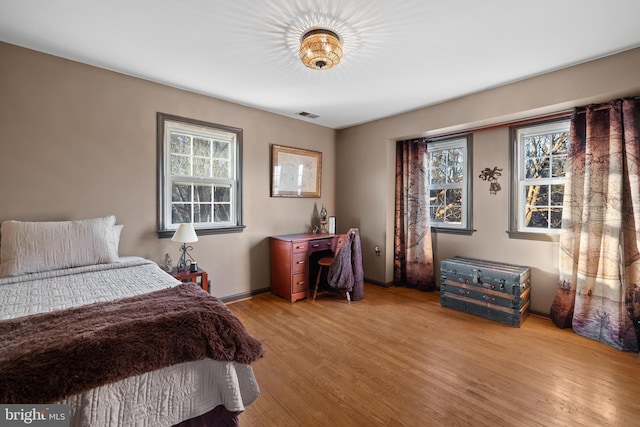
pixel 399 55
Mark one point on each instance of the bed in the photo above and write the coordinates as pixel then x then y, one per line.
pixel 137 347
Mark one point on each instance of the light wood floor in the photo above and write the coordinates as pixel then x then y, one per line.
pixel 397 358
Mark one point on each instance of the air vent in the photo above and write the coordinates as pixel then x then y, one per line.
pixel 309 115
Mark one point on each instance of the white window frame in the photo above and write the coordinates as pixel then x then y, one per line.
pixel 464 143
pixel 169 124
pixel 518 210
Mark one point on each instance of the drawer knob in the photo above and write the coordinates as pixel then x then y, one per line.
pixel 315 245
pixel 300 262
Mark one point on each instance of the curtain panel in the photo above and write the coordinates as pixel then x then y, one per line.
pixel 413 253
pixel 598 293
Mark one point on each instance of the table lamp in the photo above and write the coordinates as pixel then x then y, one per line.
pixel 185 234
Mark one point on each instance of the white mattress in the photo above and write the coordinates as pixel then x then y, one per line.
pixel 159 398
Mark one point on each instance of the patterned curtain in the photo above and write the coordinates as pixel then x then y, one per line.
pixel 598 293
pixel 413 255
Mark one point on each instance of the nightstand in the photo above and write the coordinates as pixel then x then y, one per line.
pixel 192 276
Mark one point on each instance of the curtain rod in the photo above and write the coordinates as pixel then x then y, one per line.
pixel 556 115
pixel 604 105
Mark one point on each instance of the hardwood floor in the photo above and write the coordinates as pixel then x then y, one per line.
pixel 397 358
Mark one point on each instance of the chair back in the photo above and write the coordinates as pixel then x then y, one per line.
pixel 339 243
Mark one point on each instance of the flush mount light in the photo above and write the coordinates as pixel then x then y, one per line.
pixel 320 49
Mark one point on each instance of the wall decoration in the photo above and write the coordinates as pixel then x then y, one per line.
pixel 491 175
pixel 295 172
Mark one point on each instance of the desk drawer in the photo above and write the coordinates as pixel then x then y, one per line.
pixel 299 247
pixel 320 245
pixel 298 284
pixel 299 262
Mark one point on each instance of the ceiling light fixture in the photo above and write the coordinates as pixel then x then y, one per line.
pixel 320 49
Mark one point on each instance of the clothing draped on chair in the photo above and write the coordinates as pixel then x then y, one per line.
pixel 413 255
pixel 598 293
pixel 345 272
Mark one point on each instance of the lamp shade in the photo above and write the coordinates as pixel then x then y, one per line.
pixel 185 234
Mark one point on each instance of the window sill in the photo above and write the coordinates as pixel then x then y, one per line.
pixel 163 234
pixel 545 237
pixel 459 231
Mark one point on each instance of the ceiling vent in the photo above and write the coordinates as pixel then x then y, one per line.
pixel 309 115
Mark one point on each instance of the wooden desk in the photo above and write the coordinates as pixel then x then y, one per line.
pixel 293 261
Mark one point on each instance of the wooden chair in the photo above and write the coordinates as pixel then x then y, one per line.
pixel 325 262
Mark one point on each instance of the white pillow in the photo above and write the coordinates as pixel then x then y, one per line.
pixel 30 247
pixel 117 230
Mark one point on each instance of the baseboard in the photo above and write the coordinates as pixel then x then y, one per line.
pixel 244 295
pixel 540 313
pixel 375 282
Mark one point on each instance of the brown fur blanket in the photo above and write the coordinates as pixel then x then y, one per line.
pixel 47 357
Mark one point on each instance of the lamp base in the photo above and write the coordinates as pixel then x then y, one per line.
pixel 182 263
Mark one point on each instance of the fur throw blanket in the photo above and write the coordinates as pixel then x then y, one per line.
pixel 47 357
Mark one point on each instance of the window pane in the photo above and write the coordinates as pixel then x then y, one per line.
pixel 560 141
pixel 453 208
pixel 530 168
pixel 202 193
pixel 202 213
pixel 180 213
pixel 537 167
pixel 220 150
pixel 537 195
pixel 557 195
pixel 537 218
pixel 222 212
pixel 201 167
pixel 181 165
pixel 180 144
pixel 201 147
pixel 181 193
pixel 436 196
pixel 436 214
pixel 437 165
pixel 455 171
pixel 536 146
pixel 221 169
pixel 454 196
pixel 556 218
pixel 222 194
pixel 454 214
pixel 558 166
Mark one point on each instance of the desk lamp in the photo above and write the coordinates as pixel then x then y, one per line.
pixel 185 234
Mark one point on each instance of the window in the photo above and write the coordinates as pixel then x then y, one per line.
pixel 540 155
pixel 199 176
pixel 448 183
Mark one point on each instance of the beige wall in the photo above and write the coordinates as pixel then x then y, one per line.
pixel 78 141
pixel 365 172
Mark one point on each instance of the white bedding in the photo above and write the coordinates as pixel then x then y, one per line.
pixel 159 398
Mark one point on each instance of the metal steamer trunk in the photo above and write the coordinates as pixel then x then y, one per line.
pixel 493 290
